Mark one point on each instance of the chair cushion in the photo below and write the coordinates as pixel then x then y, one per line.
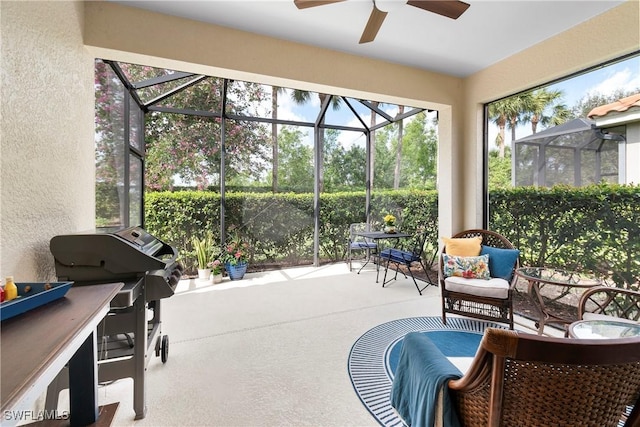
pixel 493 288
pixel 464 246
pixel 501 261
pixel 363 245
pixel 471 267
pixel 397 255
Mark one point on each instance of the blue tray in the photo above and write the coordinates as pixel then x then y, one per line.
pixel 32 295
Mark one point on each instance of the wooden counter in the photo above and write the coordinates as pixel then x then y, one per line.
pixel 36 345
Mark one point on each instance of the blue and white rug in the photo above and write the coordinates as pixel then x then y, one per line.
pixel 374 356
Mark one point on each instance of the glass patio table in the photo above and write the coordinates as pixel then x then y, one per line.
pixel 542 276
pixel 603 329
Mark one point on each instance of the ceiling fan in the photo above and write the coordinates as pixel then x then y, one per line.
pixel 449 8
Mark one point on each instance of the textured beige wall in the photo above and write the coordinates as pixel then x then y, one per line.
pixel 47 149
pixel 606 37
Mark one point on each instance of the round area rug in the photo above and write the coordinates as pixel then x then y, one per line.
pixel 374 356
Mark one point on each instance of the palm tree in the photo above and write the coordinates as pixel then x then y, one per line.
pixel 503 112
pixel 300 97
pixel 542 100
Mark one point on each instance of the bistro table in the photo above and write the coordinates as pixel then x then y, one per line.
pixel 541 276
pixel 603 329
pixel 377 236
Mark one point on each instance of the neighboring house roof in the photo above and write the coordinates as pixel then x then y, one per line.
pixel 560 131
pixel 621 106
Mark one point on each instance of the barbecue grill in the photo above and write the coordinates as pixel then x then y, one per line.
pixel 131 330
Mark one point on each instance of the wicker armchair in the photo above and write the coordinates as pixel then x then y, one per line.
pixel 606 302
pixel 519 379
pixel 488 304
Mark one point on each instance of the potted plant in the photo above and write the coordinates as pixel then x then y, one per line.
pixel 389 223
pixel 236 257
pixel 204 249
pixel 216 270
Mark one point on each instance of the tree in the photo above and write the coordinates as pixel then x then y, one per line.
pixel 301 97
pixel 506 112
pixel 109 146
pixel 539 103
pixel 296 161
pixel 194 142
pixel 420 158
pixel 591 101
pixel 275 90
pixel 499 170
pixel 396 173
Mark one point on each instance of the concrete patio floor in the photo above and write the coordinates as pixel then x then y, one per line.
pixel 269 350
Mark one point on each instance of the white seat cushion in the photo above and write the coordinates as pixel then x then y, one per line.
pixel 492 288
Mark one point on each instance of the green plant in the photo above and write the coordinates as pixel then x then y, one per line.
pixel 215 266
pixel 204 249
pixel 236 251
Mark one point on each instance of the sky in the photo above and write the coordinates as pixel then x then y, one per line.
pixel 605 80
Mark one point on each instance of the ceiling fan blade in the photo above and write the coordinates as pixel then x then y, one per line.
pixel 303 4
pixel 373 25
pixel 449 8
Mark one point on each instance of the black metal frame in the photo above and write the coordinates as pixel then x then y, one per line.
pixel 319 123
pixel 408 258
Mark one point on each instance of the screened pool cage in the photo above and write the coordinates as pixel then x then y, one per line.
pixel 126 94
pixel 574 153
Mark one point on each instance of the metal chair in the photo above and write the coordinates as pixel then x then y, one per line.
pixel 460 296
pixel 359 243
pixel 605 302
pixel 406 257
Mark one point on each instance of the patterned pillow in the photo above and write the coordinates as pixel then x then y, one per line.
pixel 470 267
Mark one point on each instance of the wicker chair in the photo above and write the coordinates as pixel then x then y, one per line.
pixel 519 379
pixel 606 302
pixel 476 303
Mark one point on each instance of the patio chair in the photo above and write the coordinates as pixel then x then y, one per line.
pixel 605 302
pixel 406 256
pixel 488 298
pixel 522 379
pixel 359 243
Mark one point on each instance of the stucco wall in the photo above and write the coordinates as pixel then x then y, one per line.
pixel 47 149
pixel 632 155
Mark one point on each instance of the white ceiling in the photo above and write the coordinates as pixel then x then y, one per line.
pixel 486 33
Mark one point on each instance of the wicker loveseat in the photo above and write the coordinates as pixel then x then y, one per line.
pixel 483 299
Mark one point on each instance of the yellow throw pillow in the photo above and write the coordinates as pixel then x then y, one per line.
pixel 469 246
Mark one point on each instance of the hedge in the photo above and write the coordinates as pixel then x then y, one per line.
pixel 595 229
pixel 279 227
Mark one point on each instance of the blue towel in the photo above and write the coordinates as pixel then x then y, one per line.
pixel 421 372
